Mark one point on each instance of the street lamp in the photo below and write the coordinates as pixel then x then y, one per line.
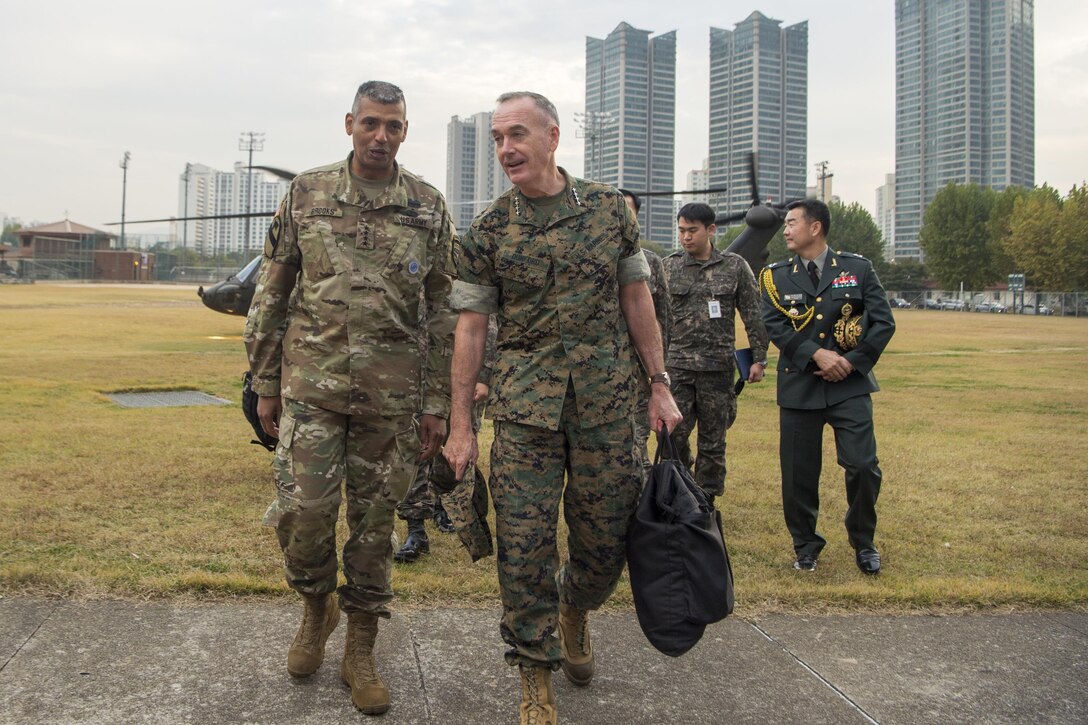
pixel 592 125
pixel 250 141
pixel 124 193
pixel 185 212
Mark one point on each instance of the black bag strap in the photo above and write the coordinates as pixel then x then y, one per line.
pixel 663 434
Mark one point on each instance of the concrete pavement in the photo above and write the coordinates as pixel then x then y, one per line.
pixel 125 662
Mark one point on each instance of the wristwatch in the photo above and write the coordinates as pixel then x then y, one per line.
pixel 661 378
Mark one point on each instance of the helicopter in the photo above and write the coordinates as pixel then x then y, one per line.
pixel 233 295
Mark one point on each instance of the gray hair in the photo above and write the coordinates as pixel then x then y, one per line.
pixel 378 91
pixel 543 104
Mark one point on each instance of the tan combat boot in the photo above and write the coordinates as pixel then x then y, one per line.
pixel 358 672
pixel 537 696
pixel 575 645
pixel 319 619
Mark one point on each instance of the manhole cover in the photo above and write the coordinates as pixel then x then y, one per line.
pixel 165 399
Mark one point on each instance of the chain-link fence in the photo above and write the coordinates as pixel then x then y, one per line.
pixel 1069 304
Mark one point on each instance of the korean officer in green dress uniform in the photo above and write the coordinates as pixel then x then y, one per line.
pixel 828 315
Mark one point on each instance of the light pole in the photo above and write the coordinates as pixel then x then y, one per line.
pixel 124 193
pixel 250 141
pixel 592 125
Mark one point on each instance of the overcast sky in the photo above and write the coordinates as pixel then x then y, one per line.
pixel 83 82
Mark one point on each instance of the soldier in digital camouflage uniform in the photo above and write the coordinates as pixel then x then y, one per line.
pixel 659 292
pixel 707 288
pixel 558 259
pixel 333 345
pixel 422 501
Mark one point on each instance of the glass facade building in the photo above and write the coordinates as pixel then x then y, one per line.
pixel 964 102
pixel 630 120
pixel 758 102
pixel 474 176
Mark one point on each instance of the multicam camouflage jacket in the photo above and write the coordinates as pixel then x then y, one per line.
pixel 553 277
pixel 705 299
pixel 343 331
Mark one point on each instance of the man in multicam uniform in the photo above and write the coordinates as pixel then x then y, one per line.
pixel 659 292
pixel 707 288
pixel 558 259
pixel 332 338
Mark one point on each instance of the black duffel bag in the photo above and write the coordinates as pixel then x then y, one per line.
pixel 676 556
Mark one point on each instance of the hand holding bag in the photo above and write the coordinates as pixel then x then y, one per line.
pixel 676 556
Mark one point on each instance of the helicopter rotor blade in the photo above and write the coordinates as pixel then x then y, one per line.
pixel 752 178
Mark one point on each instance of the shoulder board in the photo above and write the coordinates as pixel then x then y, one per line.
pixel 850 255
pixel 783 263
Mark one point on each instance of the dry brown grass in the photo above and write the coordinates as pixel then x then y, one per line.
pixel 981 432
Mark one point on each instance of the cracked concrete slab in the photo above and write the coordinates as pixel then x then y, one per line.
pixel 19 619
pixel 915 669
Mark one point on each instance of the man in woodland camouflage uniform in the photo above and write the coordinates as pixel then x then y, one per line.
pixel 333 345
pixel 558 259
pixel 707 288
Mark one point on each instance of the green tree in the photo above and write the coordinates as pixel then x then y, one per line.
pixel 904 275
pixel 1074 230
pixel 853 230
pixel 1035 244
pixel 955 237
pixel 1000 229
pixel 10 227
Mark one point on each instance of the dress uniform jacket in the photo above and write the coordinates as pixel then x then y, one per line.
pixel 848 312
pixel 347 337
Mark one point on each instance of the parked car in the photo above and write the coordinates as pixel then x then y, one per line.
pixel 928 304
pixel 1032 310
pixel 899 303
pixel 990 307
pixel 953 305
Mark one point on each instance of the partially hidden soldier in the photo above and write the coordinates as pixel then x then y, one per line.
pixel 659 293
pixel 423 501
pixel 707 288
pixel 557 258
pixel 827 313
pixel 354 250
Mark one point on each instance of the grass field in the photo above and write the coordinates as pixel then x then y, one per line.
pixel 981 429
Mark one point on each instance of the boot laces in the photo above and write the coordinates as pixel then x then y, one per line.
pixel 312 625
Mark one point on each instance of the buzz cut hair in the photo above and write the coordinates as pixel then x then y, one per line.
pixel 380 92
pixel 543 104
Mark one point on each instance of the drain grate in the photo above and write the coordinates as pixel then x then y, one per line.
pixel 165 399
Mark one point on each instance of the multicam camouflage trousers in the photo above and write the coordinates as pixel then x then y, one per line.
pixel 318 450
pixel 705 397
pixel 602 490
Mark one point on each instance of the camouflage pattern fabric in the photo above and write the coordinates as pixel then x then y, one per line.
pixel 706 397
pixel 698 341
pixel 335 330
pixel 319 449
pixel 419 502
pixel 554 279
pixel 700 357
pixel 346 337
pixel 527 467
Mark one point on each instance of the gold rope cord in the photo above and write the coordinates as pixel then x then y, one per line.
pixel 799 321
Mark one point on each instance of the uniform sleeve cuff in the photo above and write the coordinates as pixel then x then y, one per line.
pixel 474 297
pixel 633 269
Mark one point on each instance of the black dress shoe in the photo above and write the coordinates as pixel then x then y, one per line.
pixel 416 544
pixel 805 562
pixel 868 561
pixel 442 520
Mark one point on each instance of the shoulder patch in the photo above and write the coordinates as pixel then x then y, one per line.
pixel 275 231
